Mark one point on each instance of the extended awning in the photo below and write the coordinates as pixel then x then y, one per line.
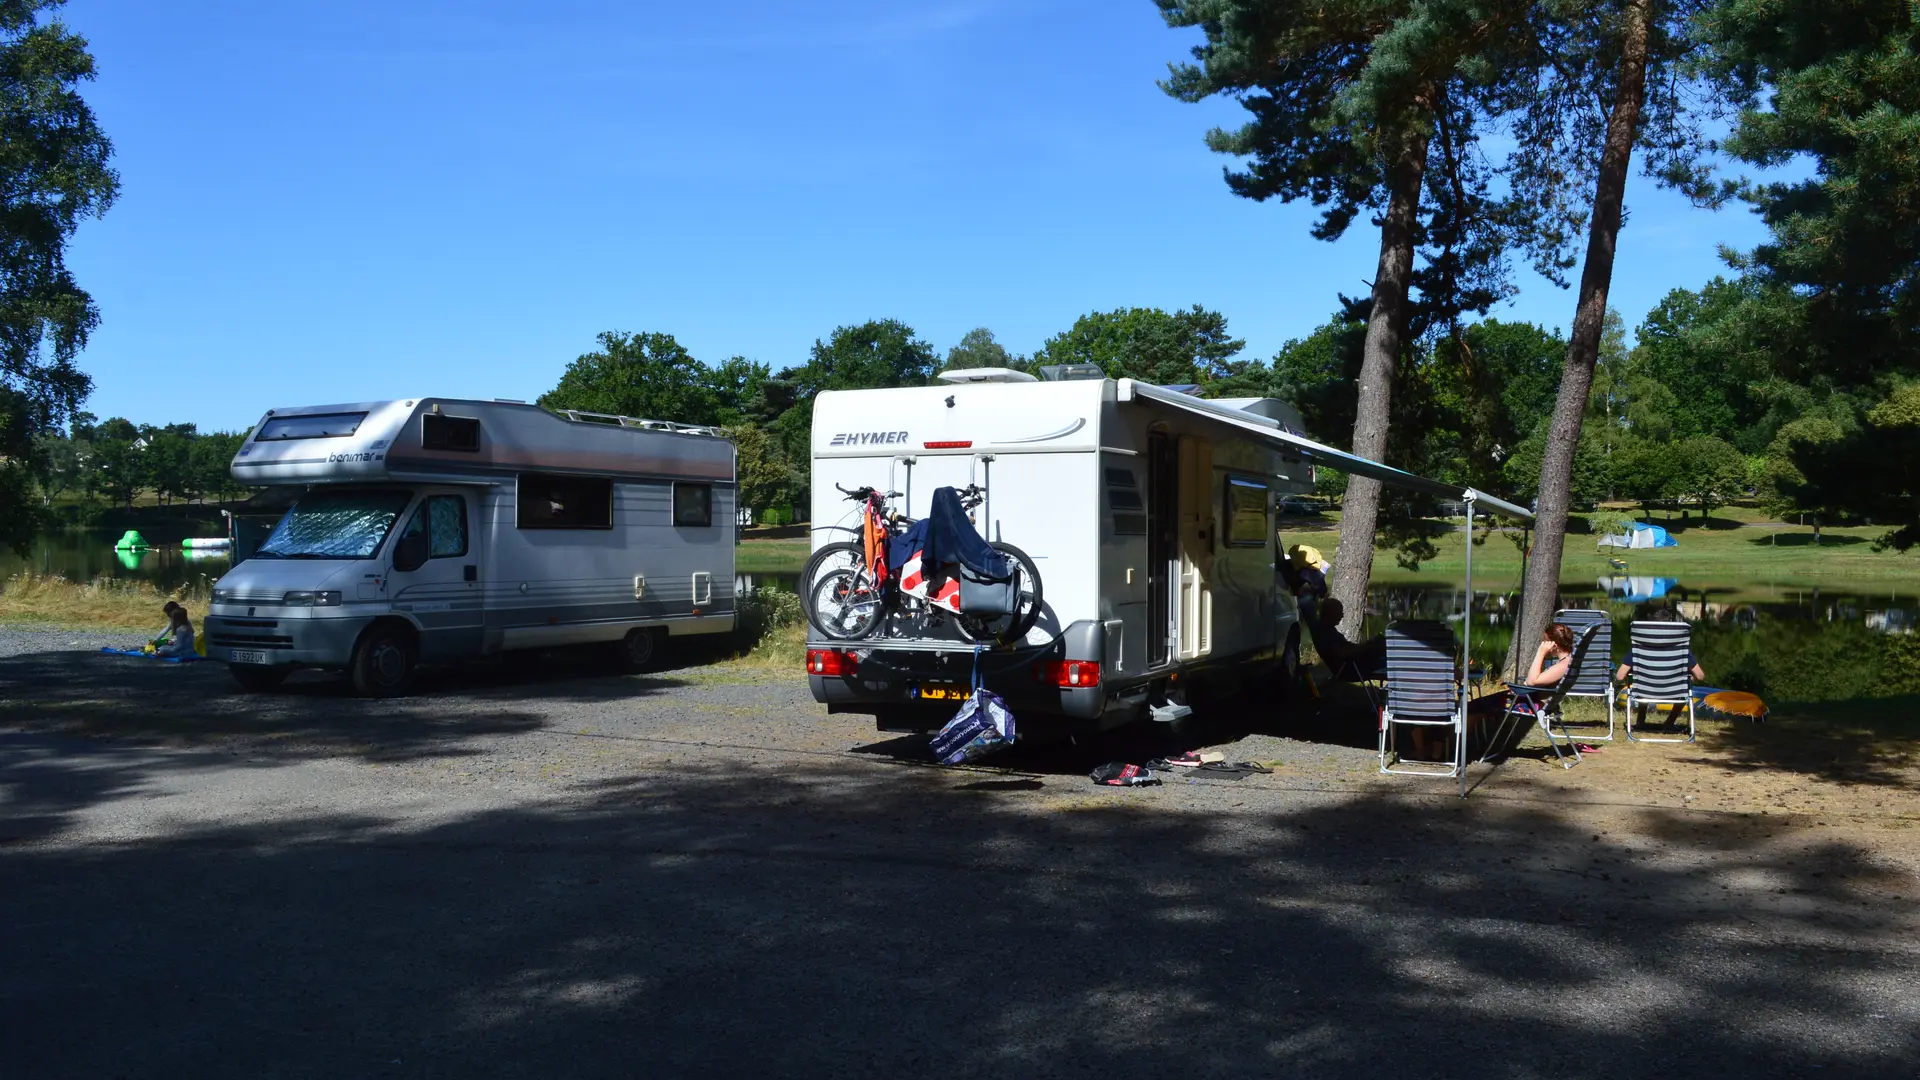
pixel 1319 453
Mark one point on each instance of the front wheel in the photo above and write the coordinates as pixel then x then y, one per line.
pixel 1008 629
pixel 841 597
pixel 383 663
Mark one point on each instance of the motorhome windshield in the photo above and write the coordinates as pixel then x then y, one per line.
pixel 335 525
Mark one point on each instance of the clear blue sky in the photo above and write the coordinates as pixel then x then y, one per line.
pixel 351 201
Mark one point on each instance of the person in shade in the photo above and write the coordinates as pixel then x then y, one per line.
pixel 177 640
pixel 1346 659
pixel 1659 613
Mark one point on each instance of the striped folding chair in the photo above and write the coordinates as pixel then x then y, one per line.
pixel 1541 704
pixel 1593 676
pixel 1423 693
pixel 1661 673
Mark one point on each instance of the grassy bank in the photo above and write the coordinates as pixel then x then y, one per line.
pixel 115 603
pixel 1721 552
pixel 770 556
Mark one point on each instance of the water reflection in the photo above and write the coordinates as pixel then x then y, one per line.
pixel 83 556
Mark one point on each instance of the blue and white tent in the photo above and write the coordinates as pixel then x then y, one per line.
pixel 1639 534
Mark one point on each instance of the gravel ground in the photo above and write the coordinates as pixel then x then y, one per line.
pixel 535 869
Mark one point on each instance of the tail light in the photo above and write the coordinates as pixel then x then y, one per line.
pixel 830 662
pixel 1070 673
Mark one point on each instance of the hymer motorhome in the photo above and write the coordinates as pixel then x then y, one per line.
pixel 435 529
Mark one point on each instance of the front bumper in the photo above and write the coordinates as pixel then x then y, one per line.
pixel 286 637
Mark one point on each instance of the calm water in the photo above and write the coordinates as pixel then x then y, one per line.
pixel 80 556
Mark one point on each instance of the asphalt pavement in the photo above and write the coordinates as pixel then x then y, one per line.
pixel 538 869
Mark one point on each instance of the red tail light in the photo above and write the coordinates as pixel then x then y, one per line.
pixel 830 662
pixel 949 444
pixel 1070 673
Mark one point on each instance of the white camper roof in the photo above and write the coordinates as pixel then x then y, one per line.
pixel 1235 411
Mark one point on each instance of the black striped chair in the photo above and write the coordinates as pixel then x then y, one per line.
pixel 1661 672
pixel 1593 675
pixel 1423 693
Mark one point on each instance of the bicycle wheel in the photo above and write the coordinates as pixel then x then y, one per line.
pixel 1008 629
pixel 838 591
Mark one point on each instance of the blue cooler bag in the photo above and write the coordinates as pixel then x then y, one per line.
pixel 983 725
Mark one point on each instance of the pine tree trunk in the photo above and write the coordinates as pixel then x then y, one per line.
pixel 1386 324
pixel 1542 588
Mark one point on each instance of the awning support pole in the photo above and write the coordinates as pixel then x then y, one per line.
pixel 1466 653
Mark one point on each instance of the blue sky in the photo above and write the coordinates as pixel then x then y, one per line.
pixel 355 201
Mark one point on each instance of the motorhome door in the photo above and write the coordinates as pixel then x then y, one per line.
pixel 442 592
pixel 1194 612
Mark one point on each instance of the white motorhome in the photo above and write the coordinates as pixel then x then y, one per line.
pixel 1148 512
pixel 436 529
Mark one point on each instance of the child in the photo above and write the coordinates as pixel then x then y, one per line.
pixel 177 640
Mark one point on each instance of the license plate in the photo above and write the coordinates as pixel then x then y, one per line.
pixel 242 656
pixel 941 692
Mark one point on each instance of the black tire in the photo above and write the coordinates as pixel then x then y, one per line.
pixel 258 678
pixel 836 572
pixel 638 651
pixel 383 662
pixel 1003 629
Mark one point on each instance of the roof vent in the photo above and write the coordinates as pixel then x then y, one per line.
pixel 1072 372
pixel 985 374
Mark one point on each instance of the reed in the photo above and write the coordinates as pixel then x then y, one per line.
pixel 119 603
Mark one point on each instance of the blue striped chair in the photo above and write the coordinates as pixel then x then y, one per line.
pixel 1662 672
pixel 1593 674
pixel 1541 704
pixel 1423 692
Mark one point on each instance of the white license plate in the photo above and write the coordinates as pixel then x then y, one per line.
pixel 243 656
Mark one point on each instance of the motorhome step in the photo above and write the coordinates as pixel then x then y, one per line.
pixel 1167 712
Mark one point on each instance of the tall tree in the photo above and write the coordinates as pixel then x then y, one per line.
pixel 53 175
pixel 878 353
pixel 1542 585
pixel 979 349
pixel 1365 105
pixel 1148 344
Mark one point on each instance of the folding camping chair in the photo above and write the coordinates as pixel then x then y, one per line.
pixel 1593 676
pixel 1661 672
pixel 1423 692
pixel 1542 704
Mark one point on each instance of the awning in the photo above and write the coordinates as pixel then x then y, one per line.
pixel 1318 453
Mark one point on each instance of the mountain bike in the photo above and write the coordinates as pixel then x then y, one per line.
pixel 850 593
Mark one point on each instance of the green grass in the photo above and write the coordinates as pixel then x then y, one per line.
pixel 1720 552
pixel 770 556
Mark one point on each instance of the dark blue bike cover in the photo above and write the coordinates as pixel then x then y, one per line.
pixel 944 536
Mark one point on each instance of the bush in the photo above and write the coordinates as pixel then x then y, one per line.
pixel 765 611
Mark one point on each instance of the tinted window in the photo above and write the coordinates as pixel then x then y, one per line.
pixel 693 504
pixel 444 519
pixel 1246 512
pixel 548 501
pixel 1123 499
pixel 318 426
pixel 439 432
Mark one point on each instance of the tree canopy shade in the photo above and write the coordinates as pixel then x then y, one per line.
pixel 979 349
pixel 53 175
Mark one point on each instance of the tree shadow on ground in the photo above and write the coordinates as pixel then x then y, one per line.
pixel 1872 741
pixel 1799 539
pixel 833 917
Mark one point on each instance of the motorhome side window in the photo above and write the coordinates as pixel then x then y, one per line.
pixel 1123 499
pixel 692 504
pixel 444 519
pixel 1246 512
pixel 551 501
pixel 439 432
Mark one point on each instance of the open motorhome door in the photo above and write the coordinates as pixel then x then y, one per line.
pixel 1318 453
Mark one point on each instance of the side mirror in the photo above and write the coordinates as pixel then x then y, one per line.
pixel 411 552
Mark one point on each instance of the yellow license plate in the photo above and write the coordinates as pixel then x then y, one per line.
pixel 941 692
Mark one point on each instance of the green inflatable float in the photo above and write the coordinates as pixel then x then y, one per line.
pixel 133 541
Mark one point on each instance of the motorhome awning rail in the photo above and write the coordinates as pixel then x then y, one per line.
pixel 1319 453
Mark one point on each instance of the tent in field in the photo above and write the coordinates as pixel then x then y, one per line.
pixel 1639 534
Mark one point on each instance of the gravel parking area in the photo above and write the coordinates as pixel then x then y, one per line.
pixel 535 869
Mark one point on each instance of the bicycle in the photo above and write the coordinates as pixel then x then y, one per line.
pixel 850 592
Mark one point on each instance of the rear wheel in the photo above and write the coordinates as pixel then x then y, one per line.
pixel 635 653
pixel 842 599
pixel 383 662
pixel 258 678
pixel 1008 629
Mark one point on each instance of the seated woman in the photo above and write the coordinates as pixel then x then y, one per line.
pixel 177 640
pixel 1346 659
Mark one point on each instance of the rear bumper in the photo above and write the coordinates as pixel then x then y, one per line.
pixel 886 682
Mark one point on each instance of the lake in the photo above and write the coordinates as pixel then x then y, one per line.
pixel 83 556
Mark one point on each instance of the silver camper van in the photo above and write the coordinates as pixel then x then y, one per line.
pixel 436 529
